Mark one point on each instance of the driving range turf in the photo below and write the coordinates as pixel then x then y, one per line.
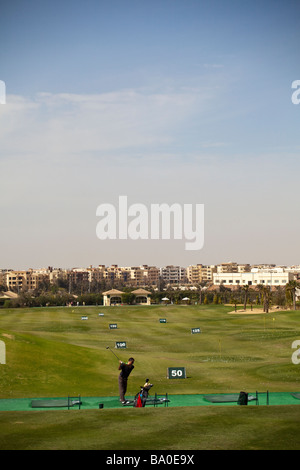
pixel 52 352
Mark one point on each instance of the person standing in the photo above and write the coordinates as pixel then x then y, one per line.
pixel 126 370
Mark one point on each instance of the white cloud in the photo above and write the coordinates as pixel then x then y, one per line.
pixel 64 154
pixel 61 124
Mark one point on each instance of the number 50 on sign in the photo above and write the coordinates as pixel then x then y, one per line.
pixel 176 373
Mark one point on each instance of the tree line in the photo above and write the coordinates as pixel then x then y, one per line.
pixel 264 296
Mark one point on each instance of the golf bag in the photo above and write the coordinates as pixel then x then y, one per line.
pixel 243 398
pixel 141 397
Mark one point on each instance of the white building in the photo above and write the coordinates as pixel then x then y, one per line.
pixel 254 278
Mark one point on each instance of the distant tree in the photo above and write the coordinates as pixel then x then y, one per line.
pixel 246 291
pixel 291 288
pixel 128 298
pixel 280 297
pixel 267 298
pixel 260 289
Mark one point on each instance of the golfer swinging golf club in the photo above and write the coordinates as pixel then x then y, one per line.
pixel 126 370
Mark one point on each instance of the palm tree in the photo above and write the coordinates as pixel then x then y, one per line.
pixel 260 289
pixel 264 294
pixel 267 298
pixel 201 287
pixel 246 291
pixel 291 287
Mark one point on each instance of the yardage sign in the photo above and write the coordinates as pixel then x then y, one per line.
pixel 176 373
pixel 120 345
pixel 2 353
pixel 113 326
pixel 195 331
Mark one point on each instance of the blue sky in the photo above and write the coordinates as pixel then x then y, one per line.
pixel 163 101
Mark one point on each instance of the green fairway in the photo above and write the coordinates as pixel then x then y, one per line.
pixel 53 352
pixel 206 428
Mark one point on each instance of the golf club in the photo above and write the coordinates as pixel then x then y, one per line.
pixel 107 347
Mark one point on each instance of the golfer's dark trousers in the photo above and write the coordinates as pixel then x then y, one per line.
pixel 122 388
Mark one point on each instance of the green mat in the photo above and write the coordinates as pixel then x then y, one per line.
pixel 296 395
pixel 55 403
pixel 226 398
pixel 30 404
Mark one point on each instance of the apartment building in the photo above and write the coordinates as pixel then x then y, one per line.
pixel 97 274
pixel 2 277
pixel 263 266
pixel 24 280
pixel 173 274
pixel 233 268
pixel 152 274
pixel 200 273
pixel 134 276
pixel 141 275
pixel 79 276
pixel 131 276
pixel 56 274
